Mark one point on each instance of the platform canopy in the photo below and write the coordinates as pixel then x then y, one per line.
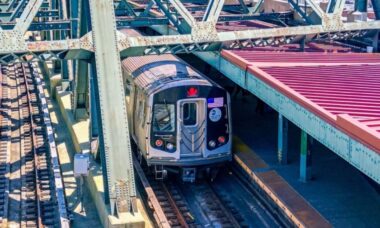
pixel 329 92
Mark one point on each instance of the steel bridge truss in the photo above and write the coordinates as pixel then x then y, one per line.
pixel 196 33
pixel 86 31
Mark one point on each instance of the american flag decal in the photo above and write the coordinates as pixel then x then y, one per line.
pixel 215 102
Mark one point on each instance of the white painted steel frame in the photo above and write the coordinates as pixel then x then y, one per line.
pixel 113 113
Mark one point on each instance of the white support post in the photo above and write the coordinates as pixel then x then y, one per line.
pixel 213 10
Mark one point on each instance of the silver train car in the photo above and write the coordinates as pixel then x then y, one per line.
pixel 179 119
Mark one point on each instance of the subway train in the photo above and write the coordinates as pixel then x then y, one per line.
pixel 179 119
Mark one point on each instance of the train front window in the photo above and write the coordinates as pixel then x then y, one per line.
pixel 163 117
pixel 189 114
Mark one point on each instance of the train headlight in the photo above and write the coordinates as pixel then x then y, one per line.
pixel 159 142
pixel 212 143
pixel 221 139
pixel 169 146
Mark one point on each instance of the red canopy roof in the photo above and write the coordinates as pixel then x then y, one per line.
pixel 341 88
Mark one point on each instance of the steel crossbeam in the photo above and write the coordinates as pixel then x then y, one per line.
pixel 45 13
pixel 202 32
pixel 19 46
pixel 41 26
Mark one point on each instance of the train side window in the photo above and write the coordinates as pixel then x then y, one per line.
pixel 128 88
pixel 140 109
pixel 142 114
pixel 164 117
pixel 189 114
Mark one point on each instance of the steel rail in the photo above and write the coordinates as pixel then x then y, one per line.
pixel 230 217
pixel 5 136
pixel 34 143
pixel 180 217
pixel 54 160
pixel 159 214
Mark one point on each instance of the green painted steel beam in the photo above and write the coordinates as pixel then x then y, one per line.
pixel 282 140
pixel 81 67
pixel 305 159
pixel 361 5
pixel 376 8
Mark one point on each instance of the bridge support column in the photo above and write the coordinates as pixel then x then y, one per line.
pixel 94 125
pixel 375 42
pixel 114 144
pixel 80 95
pixel 361 5
pixel 376 8
pixel 282 142
pixel 81 91
pixel 305 159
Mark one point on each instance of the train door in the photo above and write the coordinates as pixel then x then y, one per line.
pixel 191 127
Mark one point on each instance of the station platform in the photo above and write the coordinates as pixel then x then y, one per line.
pixel 337 191
pixel 290 202
pixel 340 193
pixel 339 188
pixel 328 92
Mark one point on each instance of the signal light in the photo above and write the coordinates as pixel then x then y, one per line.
pixel 192 92
pixel 159 142
pixel 221 139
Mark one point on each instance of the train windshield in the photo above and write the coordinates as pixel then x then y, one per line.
pixel 163 117
pixel 190 114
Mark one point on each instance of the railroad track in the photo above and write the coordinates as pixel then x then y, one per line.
pixel 28 197
pixel 5 135
pixel 216 214
pixel 172 208
pixel 226 202
pixel 173 204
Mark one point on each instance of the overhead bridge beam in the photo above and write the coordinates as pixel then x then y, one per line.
pixel 47 13
pixel 149 21
pixel 201 38
pixel 41 26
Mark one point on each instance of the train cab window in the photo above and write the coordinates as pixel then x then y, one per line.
pixel 189 114
pixel 128 88
pixel 163 117
pixel 141 112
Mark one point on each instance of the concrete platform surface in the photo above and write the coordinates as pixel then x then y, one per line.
pixel 88 216
pixel 79 135
pixel 73 137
